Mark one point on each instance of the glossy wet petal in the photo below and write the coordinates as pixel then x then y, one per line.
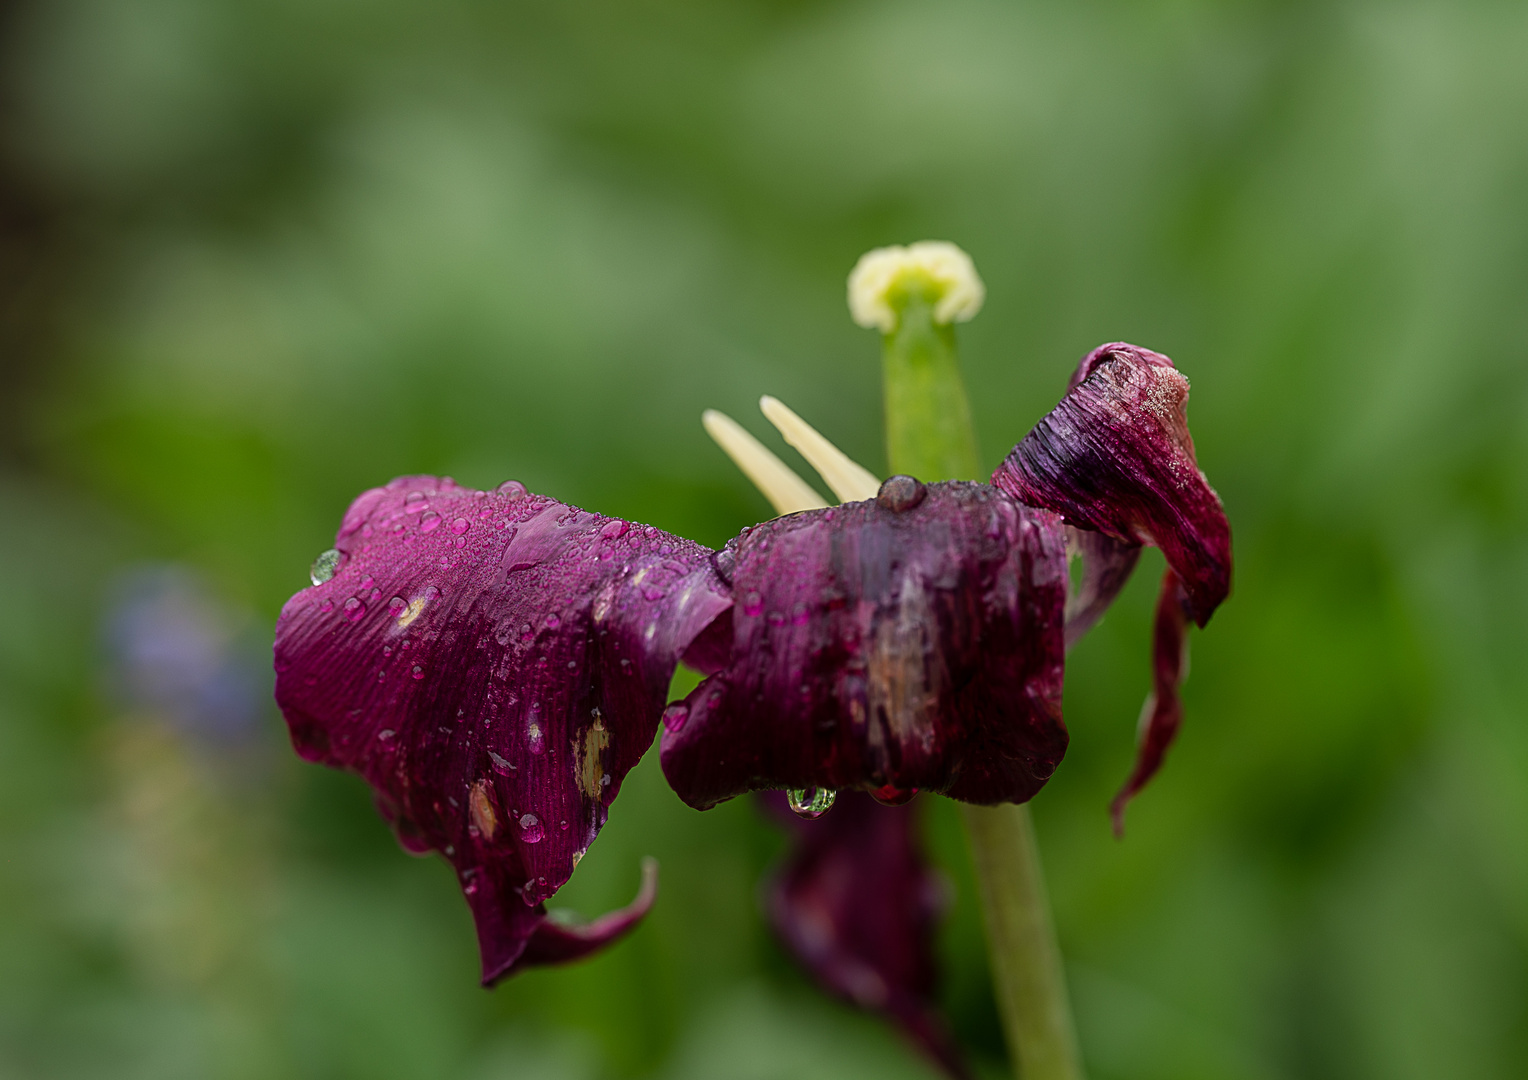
pixel 1163 713
pixel 1116 456
pixel 493 663
pixel 912 641
pixel 857 905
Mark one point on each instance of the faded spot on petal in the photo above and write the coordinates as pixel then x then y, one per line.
pixel 480 808
pixel 590 757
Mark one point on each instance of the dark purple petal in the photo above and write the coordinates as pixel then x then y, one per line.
pixel 493 663
pixel 1106 566
pixel 558 942
pixel 1163 713
pixel 856 904
pixel 915 645
pixel 1116 456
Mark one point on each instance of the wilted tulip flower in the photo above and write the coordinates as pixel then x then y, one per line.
pixel 495 662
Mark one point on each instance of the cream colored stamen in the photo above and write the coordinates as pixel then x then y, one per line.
pixel 849 480
pixel 786 492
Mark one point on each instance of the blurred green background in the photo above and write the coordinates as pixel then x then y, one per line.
pixel 258 255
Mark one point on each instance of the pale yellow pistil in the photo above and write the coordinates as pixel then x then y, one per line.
pixel 848 479
pixel 785 490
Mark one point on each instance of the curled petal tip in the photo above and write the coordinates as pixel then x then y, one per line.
pixel 883 277
pixel 1116 456
pixel 1117 814
pixel 1162 714
pixel 560 941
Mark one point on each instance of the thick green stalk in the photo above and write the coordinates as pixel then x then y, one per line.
pixel 929 435
pixel 928 419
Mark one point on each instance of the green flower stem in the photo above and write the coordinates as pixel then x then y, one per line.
pixel 929 435
pixel 1026 959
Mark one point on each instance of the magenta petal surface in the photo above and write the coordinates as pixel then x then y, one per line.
pixel 857 905
pixel 1163 713
pixel 1116 456
pixel 899 644
pixel 557 941
pixel 493 664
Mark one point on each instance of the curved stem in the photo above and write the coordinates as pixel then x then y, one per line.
pixel 1026 958
pixel 929 435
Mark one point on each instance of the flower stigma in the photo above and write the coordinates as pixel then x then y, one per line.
pixel 883 279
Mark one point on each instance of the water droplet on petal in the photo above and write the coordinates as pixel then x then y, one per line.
pixel 891 795
pixel 460 525
pixel 531 830
pixel 900 493
pixel 613 530
pixel 326 607
pixel 397 606
pixel 354 609
pixel 753 603
pixel 811 802
pixel 430 522
pixel 324 566
pixel 674 716
pixel 513 489
pixel 552 621
pixel 414 502
pixel 419 673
